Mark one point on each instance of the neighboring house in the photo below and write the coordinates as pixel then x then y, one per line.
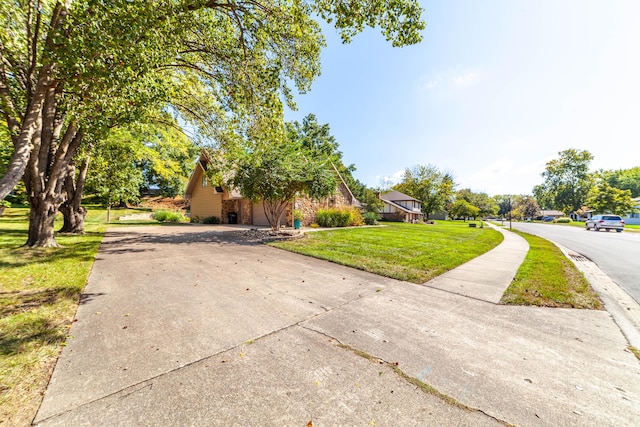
pixel 634 217
pixel 400 207
pixel 550 212
pixel 207 200
pixel 582 214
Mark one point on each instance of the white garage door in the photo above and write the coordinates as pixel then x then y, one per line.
pixel 259 217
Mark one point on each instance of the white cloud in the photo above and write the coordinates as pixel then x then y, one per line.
pixel 466 79
pixel 390 180
pixel 450 78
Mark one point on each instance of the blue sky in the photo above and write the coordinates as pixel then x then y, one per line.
pixel 495 90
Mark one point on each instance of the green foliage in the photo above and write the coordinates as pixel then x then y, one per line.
pixel 168 216
pixel 278 171
pixel 606 199
pixel 486 205
pixel 624 179
pixel 168 156
pixel 371 218
pixel 297 214
pixel 463 209
pixel 5 204
pixel 429 185
pixel 114 175
pixel 567 181
pixel 334 217
pixel 211 220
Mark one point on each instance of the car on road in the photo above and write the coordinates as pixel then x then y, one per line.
pixel 547 219
pixel 605 222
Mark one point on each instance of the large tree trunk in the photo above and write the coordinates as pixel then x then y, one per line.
pixel 42 214
pixel 72 212
pixel 49 165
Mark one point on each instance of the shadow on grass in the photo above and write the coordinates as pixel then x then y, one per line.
pixel 13 302
pixel 83 249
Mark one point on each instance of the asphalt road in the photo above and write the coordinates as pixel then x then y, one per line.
pixel 617 254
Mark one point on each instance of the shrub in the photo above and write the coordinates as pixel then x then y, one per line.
pixel 563 220
pixel 167 216
pixel 356 218
pixel 338 217
pixel 5 204
pixel 314 225
pixel 371 218
pixel 211 220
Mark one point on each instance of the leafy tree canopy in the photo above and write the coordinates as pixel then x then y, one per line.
pixel 486 205
pixel 567 181
pixel 428 184
pixel 277 172
pixel 624 179
pixel 607 199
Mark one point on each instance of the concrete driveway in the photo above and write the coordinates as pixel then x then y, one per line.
pixel 197 326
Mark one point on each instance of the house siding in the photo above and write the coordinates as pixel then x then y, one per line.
pixel 206 202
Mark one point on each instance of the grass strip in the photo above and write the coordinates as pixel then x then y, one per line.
pixel 39 295
pixel 412 252
pixel 547 278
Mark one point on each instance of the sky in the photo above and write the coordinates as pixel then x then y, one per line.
pixel 494 91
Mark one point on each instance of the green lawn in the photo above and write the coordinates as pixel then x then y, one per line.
pixel 412 252
pixel 547 278
pixel 39 295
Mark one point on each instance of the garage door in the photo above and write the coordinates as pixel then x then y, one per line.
pixel 259 217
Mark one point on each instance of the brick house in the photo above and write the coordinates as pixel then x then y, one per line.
pixel 207 200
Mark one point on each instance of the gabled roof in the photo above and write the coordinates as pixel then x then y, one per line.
pixel 551 212
pixel 402 208
pixel 194 179
pixel 396 196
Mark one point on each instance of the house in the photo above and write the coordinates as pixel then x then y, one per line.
pixel 209 200
pixel 634 217
pixel 400 207
pixel 550 212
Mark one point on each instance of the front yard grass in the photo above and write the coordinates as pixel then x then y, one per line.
pixel 413 252
pixel 39 294
pixel 547 278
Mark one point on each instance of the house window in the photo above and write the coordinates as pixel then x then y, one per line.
pixel 204 181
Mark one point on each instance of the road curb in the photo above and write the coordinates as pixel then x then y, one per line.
pixel 622 307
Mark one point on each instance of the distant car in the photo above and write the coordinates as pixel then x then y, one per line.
pixel 605 222
pixel 547 219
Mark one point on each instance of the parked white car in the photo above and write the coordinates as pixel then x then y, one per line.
pixel 605 222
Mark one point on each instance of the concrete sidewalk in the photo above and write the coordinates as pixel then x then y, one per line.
pixel 191 326
pixel 489 275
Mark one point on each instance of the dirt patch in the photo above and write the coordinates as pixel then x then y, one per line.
pixel 167 203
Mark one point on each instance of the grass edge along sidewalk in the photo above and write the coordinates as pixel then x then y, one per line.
pixel 547 278
pixel 39 295
pixel 412 252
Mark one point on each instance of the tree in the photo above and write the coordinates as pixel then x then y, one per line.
pixel 277 172
pixel 606 199
pixel 115 176
pixel 428 184
pixel 485 204
pixel 168 157
pixel 71 69
pixel 528 206
pixel 567 181
pixel 624 179
pixel 463 209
